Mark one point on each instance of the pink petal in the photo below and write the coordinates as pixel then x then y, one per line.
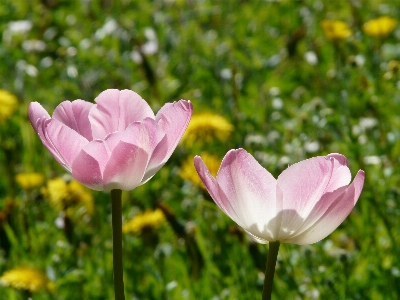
pixel 132 154
pixel 249 193
pixel 340 158
pixel 76 116
pixel 87 166
pixel 173 118
pixel 304 183
pixel 334 215
pixel 115 110
pixel 158 149
pixel 63 142
pixel 36 111
pixel 126 167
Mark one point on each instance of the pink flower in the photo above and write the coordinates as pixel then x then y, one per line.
pixel 305 204
pixel 117 143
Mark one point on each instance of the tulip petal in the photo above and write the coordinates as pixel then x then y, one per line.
pixel 340 158
pixel 173 118
pixel 87 166
pixel 304 183
pixel 63 142
pixel 126 167
pixel 334 215
pixel 250 192
pixel 76 116
pixel 36 112
pixel 214 189
pixel 132 154
pixel 115 110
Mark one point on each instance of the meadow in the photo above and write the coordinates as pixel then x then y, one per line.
pixel 286 80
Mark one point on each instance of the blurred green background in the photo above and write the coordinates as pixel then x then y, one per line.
pixel 273 77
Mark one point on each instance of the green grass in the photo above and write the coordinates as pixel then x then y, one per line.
pixel 246 61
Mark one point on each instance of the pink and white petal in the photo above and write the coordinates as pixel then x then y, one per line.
pixel 115 110
pixel 86 167
pixel 173 118
pixel 214 190
pixel 65 142
pixel 76 116
pixel 36 112
pixel 304 183
pixel 334 216
pixel 341 175
pixel 257 239
pixel 340 158
pixel 250 190
pixel 322 206
pixel 126 167
pixel 322 179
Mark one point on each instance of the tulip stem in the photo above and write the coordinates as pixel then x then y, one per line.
pixel 116 211
pixel 270 270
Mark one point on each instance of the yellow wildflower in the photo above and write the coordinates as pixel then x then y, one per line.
pixel 380 27
pixel 207 126
pixel 28 181
pixel 8 105
pixel 67 196
pixel 188 171
pixel 26 278
pixel 336 30
pixel 146 220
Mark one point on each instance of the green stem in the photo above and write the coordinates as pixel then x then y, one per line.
pixel 116 211
pixel 270 269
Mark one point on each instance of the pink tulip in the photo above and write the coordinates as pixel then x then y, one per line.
pixel 305 204
pixel 117 143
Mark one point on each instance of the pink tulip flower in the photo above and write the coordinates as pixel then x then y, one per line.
pixel 305 204
pixel 117 143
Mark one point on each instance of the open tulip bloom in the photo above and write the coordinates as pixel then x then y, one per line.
pixel 305 204
pixel 113 145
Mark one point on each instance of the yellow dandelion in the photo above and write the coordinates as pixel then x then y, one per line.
pixel 8 105
pixel 67 196
pixel 335 30
pixel 28 181
pixel 146 220
pixel 188 171
pixel 207 126
pixel 380 27
pixel 26 278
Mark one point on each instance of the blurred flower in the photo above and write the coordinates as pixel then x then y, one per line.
pixel 394 66
pixel 20 26
pixel 335 30
pixel 393 69
pixel 8 105
pixel 26 278
pixel 33 45
pixel 146 220
pixel 151 46
pixel 380 27
pixel 109 28
pixel 117 143
pixel 311 57
pixel 28 181
pixel 188 171
pixel 205 127
pixel 68 196
pixel 305 204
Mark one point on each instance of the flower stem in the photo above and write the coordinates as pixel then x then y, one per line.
pixel 116 211
pixel 270 269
